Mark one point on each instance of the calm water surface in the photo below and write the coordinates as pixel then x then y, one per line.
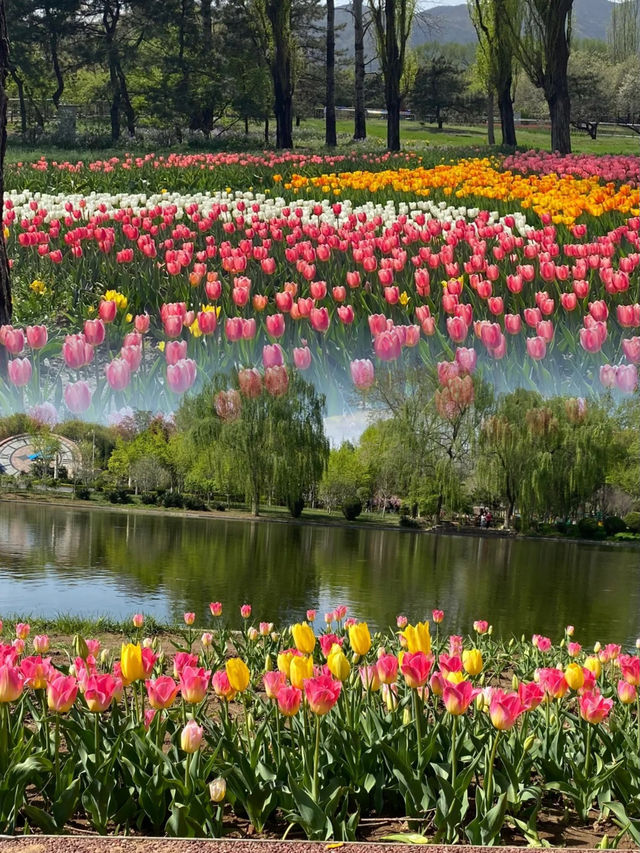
pixel 60 560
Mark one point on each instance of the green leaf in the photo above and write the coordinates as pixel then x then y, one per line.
pixel 406 838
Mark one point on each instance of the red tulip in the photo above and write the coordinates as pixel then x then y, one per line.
pixel 457 329
pixel 319 319
pixel 416 668
pixel 322 693
pixel 275 325
pixel 207 322
pixel 512 323
pixel 107 310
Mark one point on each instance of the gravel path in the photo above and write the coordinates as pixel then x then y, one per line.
pixel 95 844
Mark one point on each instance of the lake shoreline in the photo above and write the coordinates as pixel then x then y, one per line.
pixel 236 515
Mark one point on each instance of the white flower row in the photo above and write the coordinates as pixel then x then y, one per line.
pixel 269 208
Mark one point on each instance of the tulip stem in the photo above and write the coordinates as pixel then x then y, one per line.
pixel 4 735
pixel 587 752
pixel 44 719
pixel 638 717
pixel 417 711
pixel 488 790
pixel 187 777
pixel 316 755
pixel 454 727
pixel 56 746
pixel 96 736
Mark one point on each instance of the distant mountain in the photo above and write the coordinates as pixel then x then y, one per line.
pixel 591 19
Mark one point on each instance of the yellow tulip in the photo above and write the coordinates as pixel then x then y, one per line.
pixel 455 677
pixel 574 676
pixel 304 638
pixel 472 661
pixel 360 638
pixel 238 674
pixel 131 662
pixel 593 665
pixel 301 668
pixel 284 662
pixel 418 638
pixel 338 665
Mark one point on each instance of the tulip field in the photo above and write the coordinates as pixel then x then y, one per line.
pixel 319 732
pixel 136 279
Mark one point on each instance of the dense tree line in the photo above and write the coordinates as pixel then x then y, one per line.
pixel 185 64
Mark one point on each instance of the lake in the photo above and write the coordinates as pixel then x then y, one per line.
pixel 60 560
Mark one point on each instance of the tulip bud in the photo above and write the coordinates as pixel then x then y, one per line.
pixel 80 648
pixel 381 652
pixel 511 642
pixel 406 717
pixel 604 844
pixel 72 669
pixel 268 663
pixel 147 643
pixel 217 790
pixel 104 656
pixel 251 723
pixel 638 643
pixel 515 683
pixel 253 634
pixel 355 658
pixel 490 630
pixel 597 647
pixel 529 743
pixel 275 636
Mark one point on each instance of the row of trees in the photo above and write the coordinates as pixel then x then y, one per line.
pixel 190 62
pixel 544 458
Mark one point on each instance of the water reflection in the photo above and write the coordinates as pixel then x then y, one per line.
pixel 101 562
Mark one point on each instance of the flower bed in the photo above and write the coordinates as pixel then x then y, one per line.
pixel 468 738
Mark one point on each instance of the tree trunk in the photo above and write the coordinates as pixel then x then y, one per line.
pixel 207 33
pixel 491 133
pixel 115 102
pixel 53 45
pixel 17 79
pixel 392 77
pixel 266 130
pixel 507 121
pixel 126 101
pixel 279 14
pixel 560 115
pixel 5 283
pixel 246 125
pixel 360 122
pixel 330 101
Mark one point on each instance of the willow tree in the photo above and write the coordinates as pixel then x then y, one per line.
pixel 491 22
pixel 5 283
pixel 392 20
pixel 360 113
pixel 541 44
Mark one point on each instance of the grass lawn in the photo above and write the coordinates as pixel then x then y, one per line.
pixel 414 135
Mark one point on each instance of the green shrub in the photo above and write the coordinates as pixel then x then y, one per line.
pixel 632 520
pixel 195 503
pixel 173 500
pixel 149 498
pixel 296 505
pixel 588 528
pixel 119 496
pixel 351 509
pixel 82 493
pixel 408 522
pixel 627 536
pixel 614 524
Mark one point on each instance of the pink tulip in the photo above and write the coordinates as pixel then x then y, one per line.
pixel 19 371
pixel 216 608
pixel 41 644
pixel 77 397
pixel 276 380
pixel 193 684
pixel 321 693
pixel 594 708
pixel 627 378
pixel 275 325
pixel 174 351
pixel 11 683
pixel 37 336
pixel 504 709
pixel 608 376
pixel 250 382
pixel 553 682
pixel 233 328
pixel 228 405
pixel 191 737
pixel 377 324
pixel 162 692
pixel 416 668
pixel 544 329
pixel 207 322
pixel 36 671
pixel 437 616
pixel 457 329
pixel 181 660
pixel 569 301
pixel 531 695
pixel 599 310
pixel 23 629
pixel 362 373
pixel 537 348
pixel 512 323
pixel 627 693
pixel 118 374
pixel 273 682
pixel 630 668
pixel 61 693
pixel 346 314
pixel 387 345
pixel 181 375
pixel 319 319
pixel 100 691
pixel 289 699
pixel 141 323
pixel 245 611
pixel 272 355
pixel 13 339
pixel 76 351
pixel 107 310
pixel 458 697
pixel 387 668
pixel 137 620
pixel 132 355
pixel 631 349
pixel 94 331
pixel 302 357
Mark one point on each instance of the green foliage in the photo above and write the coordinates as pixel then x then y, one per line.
pixel 351 509
pixel 614 524
pixel 632 520
pixel 590 528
